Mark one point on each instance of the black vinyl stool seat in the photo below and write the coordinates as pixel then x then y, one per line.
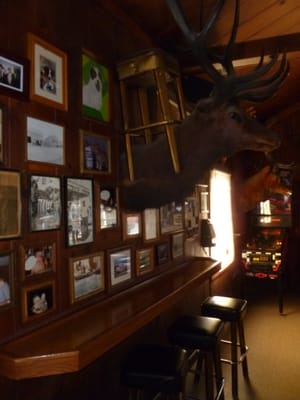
pixel 193 332
pixel 154 368
pixel 232 310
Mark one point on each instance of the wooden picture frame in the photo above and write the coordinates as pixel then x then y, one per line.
pixel 150 224
pixel 144 259
pixel 37 259
pixel 1 134
pixel 38 300
pixel 45 142
pixel 44 204
pixel 48 73
pixel 162 253
pixel 109 207
pixel 177 243
pixel 95 153
pixel 80 211
pixel 87 276
pixel 96 88
pixel 132 225
pixel 6 280
pixel 14 75
pixel 10 204
pixel 171 217
pixel 120 265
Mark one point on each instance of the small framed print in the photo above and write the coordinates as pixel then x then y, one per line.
pixel 86 276
pixel 150 224
pixel 48 73
pixel 120 266
pixel 45 142
pixel 109 207
pixel 144 260
pixel 171 217
pixel 96 90
pixel 191 213
pixel 14 75
pixel 44 203
pixel 10 204
pixel 162 253
pixel 80 211
pixel 131 225
pixel 95 153
pixel 1 134
pixel 6 280
pixel 37 259
pixel 38 300
pixel 177 245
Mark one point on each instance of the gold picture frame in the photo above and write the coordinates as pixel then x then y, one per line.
pixel 144 260
pixel 48 73
pixel 10 204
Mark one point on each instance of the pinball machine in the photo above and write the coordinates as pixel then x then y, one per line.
pixel 263 254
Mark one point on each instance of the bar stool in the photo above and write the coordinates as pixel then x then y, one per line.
pixel 202 334
pixel 233 310
pixel 154 369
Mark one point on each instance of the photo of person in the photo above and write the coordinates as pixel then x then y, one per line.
pixel 6 267
pixel 38 299
pixel 11 74
pixel 96 153
pixel 38 259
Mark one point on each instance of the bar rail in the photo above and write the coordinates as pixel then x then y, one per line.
pixel 75 341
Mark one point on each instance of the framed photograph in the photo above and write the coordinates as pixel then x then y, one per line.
pixel 144 260
pixel 162 253
pixel 44 203
pixel 131 225
pixel 6 280
pixel 150 224
pixel 38 300
pixel 171 217
pixel 95 153
pixel 120 265
pixel 109 207
pixel 48 73
pixel 80 211
pixel 177 245
pixel 37 258
pixel 191 213
pixel 10 204
pixel 45 142
pixel 96 90
pixel 86 276
pixel 14 75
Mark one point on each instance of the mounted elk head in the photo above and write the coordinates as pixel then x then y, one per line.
pixel 218 127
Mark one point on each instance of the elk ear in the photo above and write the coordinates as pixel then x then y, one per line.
pixel 204 106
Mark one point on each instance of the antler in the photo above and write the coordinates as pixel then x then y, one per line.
pixel 252 86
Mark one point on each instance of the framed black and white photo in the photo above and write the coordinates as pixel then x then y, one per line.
pixel 171 217
pixel 14 75
pixel 177 244
pixel 120 265
pixel 44 203
pixel 95 153
pixel 10 204
pixel 38 300
pixel 48 75
pixel 162 253
pixel 6 280
pixel 45 142
pixel 109 207
pixel 37 258
pixel 86 276
pixel 80 211
pixel 1 134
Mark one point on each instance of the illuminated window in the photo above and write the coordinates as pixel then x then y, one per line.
pixel 221 217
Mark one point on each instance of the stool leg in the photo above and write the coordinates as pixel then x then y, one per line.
pixel 234 361
pixel 209 387
pixel 218 372
pixel 243 348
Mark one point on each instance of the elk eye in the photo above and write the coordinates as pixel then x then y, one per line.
pixel 234 115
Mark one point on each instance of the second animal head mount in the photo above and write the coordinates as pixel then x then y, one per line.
pixel 218 127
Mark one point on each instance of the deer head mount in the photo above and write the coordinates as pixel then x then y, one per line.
pixel 218 127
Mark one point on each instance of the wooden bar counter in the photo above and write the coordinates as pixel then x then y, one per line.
pixel 71 343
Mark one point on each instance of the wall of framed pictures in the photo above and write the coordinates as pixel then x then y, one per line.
pixel 65 240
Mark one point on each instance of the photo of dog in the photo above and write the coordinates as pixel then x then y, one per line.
pixel 92 90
